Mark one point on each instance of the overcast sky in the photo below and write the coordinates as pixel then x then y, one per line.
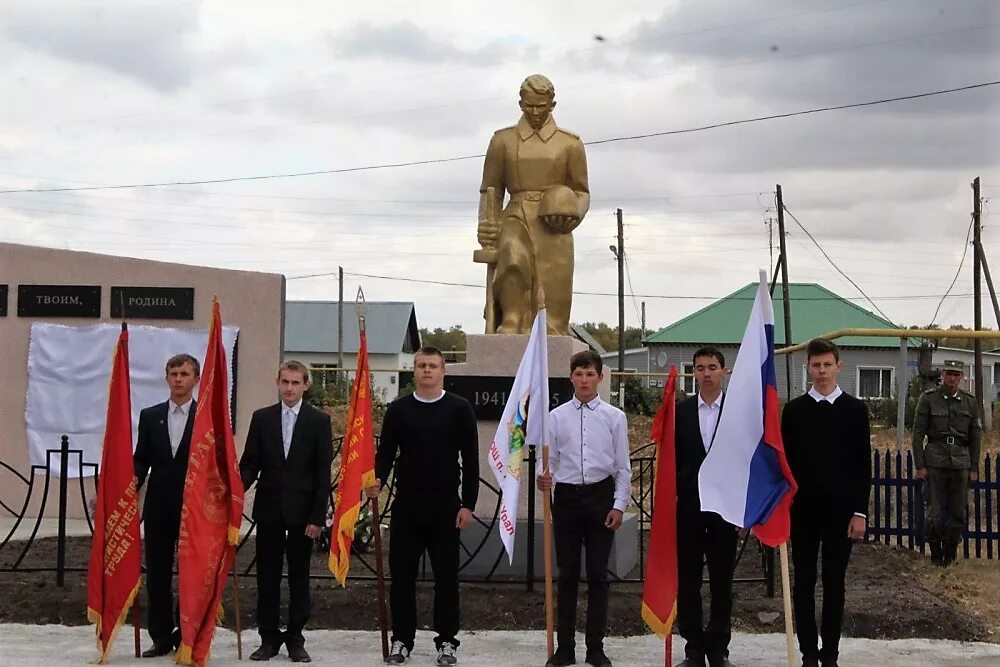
pixel 106 93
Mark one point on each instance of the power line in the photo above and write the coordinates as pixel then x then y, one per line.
pixel 413 163
pixel 685 297
pixel 965 251
pixel 834 264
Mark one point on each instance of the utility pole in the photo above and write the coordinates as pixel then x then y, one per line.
pixel 340 328
pixel 977 295
pixel 642 322
pixel 620 256
pixel 786 304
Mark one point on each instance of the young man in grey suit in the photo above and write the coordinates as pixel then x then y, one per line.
pixel 161 452
pixel 288 453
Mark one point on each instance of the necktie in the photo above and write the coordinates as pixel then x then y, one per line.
pixel 177 422
pixel 287 426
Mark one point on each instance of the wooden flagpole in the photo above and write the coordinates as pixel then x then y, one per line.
pixel 137 621
pixel 236 606
pixel 380 579
pixel 547 538
pixel 787 598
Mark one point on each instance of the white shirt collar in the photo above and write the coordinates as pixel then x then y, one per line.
pixel 833 395
pixel 294 409
pixel 429 400
pixel 184 408
pixel 591 404
pixel 714 404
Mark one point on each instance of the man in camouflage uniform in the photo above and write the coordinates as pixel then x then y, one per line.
pixel 949 417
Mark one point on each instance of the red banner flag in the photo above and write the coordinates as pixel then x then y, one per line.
pixel 213 506
pixel 357 467
pixel 659 590
pixel 114 568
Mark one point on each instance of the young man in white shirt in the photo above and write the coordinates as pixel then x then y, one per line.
pixel 589 465
pixel 161 452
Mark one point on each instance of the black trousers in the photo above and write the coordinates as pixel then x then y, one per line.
pixel 818 529
pixel 704 537
pixel 422 523
pixel 277 542
pixel 163 615
pixel 579 512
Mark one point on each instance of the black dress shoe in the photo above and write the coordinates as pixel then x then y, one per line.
pixel 561 658
pixel 597 659
pixel 810 662
pixel 175 638
pixel 156 650
pixel 297 653
pixel 265 652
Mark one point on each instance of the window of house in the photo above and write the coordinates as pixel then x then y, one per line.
pixel 875 382
pixel 687 384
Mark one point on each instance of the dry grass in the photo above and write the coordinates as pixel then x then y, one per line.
pixel 973 586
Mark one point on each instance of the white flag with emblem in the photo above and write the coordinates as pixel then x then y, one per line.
pixel 523 424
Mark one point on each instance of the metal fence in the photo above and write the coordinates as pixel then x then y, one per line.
pixel 896 510
pixel 40 479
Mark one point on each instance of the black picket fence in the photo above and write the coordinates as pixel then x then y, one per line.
pixel 896 511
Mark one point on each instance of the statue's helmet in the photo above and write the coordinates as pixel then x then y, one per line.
pixel 559 200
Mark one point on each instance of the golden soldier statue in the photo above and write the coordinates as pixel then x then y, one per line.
pixel 530 244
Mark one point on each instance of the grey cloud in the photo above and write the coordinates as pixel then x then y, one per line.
pixel 878 49
pixel 144 43
pixel 408 42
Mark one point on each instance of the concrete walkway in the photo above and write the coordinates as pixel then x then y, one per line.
pixel 44 645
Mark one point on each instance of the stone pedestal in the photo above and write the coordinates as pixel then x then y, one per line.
pixel 497 356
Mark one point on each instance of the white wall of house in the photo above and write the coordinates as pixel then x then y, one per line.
pixel 384 376
pixel 867 372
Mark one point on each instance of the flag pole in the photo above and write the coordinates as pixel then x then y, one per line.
pixel 787 598
pixel 547 538
pixel 380 578
pixel 236 606
pixel 361 309
pixel 136 622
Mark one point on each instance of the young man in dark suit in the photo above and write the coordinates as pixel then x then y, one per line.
pixel 161 452
pixel 828 445
pixel 289 446
pixel 702 536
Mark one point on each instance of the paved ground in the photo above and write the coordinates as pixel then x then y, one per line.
pixel 45 645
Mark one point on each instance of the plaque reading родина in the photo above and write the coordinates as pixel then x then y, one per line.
pixel 154 303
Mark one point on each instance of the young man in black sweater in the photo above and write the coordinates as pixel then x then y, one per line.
pixel 430 430
pixel 828 445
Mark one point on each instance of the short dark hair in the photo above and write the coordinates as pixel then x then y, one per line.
pixel 296 367
pixel 818 346
pixel 429 351
pixel 586 359
pixel 180 360
pixel 709 351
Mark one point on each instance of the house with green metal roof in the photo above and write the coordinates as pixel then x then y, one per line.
pixel 870 363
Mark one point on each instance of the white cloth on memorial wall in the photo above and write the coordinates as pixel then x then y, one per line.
pixel 69 372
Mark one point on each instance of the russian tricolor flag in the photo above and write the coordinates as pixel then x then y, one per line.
pixel 745 477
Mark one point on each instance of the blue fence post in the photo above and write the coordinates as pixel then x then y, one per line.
pixel 909 500
pixel 888 499
pixel 990 534
pixel 898 484
pixel 876 483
